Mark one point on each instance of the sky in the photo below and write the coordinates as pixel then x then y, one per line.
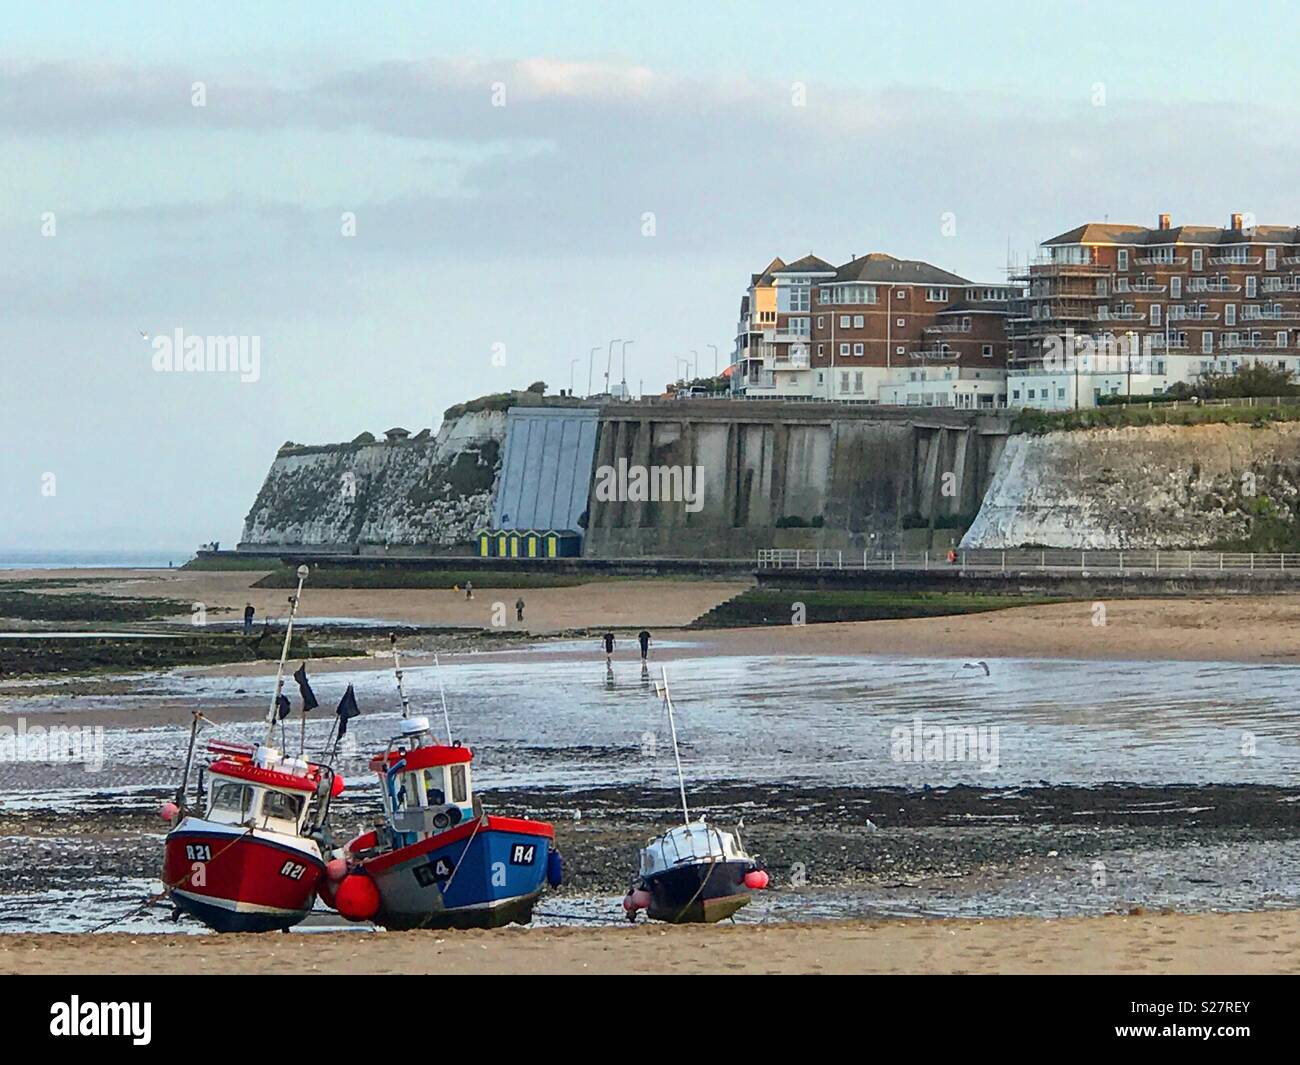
pixel 405 205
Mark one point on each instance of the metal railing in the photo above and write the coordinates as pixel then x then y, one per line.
pixel 1057 560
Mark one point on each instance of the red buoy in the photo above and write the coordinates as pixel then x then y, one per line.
pixel 336 787
pixel 168 811
pixel 756 880
pixel 336 869
pixel 356 897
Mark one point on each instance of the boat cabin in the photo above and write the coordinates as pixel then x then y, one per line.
pixel 425 785
pixel 695 842
pixel 257 788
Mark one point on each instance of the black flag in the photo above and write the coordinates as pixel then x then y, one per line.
pixel 282 704
pixel 308 696
pixel 347 709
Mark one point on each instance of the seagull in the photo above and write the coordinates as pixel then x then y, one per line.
pixel 977 665
pixel 144 334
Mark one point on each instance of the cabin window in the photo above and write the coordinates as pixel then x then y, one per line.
pixel 459 791
pixel 279 805
pixel 233 798
pixel 433 787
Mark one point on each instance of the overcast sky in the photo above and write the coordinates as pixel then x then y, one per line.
pixel 747 130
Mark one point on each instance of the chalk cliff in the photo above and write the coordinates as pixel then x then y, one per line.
pixel 433 490
pixel 1141 487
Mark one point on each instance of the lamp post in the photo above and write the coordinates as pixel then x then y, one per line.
pixel 591 361
pixel 715 357
pixel 625 344
pixel 696 372
pixel 609 361
pixel 572 364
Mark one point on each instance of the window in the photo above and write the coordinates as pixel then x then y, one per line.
pixel 1155 314
pixel 459 792
pixel 901 322
pixel 900 294
pixel 821 349
pixel 1121 257
pixel 1281 338
pixel 799 296
pixel 1270 258
pixel 1207 341
pixel 844 381
pixel 844 349
pixel 1175 288
pixel 1198 258
pixel 1230 314
pixel 1015 393
pixel 233 798
pixel 857 349
pixel 1252 286
pixel 825 295
pixel 801 327
pixel 987 351
pixel 900 350
pixel 1060 393
pixel 844 321
pixel 858 383
pixel 821 321
pixel 278 804
pixel 859 321
pixel 936 295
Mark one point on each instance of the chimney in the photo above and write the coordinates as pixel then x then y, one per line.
pixel 1164 221
pixel 1236 220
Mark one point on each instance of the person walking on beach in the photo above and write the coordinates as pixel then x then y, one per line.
pixel 248 618
pixel 469 589
pixel 608 638
pixel 519 608
pixel 643 638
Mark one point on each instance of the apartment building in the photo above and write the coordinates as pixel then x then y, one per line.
pixel 1136 310
pixel 874 330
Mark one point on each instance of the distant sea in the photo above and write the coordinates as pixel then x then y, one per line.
pixel 32 559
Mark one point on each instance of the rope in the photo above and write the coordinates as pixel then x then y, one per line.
pixel 477 825
pixel 713 860
pixel 150 900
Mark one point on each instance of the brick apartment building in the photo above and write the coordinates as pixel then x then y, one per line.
pixel 874 330
pixel 1175 302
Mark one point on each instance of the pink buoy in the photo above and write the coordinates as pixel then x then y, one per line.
pixel 640 899
pixel 336 869
pixel 628 904
pixel 168 811
pixel 756 879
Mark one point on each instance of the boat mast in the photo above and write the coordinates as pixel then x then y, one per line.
pixel 397 669
pixel 442 694
pixel 672 724
pixel 284 653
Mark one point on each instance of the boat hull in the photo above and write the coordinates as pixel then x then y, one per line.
pixel 463 878
pixel 235 879
pixel 697 892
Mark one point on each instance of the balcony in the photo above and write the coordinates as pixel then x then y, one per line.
pixel 1277 284
pixel 1271 316
pixel 1194 316
pixel 1217 286
pixel 1236 260
pixel 1250 344
pixel 956 327
pixel 1144 286
pixel 1291 260
pixel 934 354
pixel 1159 261
pixel 1105 314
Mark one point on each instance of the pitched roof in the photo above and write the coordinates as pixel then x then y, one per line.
pixel 879 268
pixel 809 264
pixel 765 276
pixel 1141 236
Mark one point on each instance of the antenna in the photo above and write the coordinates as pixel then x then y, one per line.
pixel 672 724
pixel 437 668
pixel 397 669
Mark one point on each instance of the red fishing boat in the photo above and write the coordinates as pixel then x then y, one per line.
pixel 252 860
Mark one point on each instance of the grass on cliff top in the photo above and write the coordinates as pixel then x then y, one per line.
pixel 1036 422
pixel 441 579
pixel 775 606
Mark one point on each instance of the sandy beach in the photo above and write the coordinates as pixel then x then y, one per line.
pixel 1142 944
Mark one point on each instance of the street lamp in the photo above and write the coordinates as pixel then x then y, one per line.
pixel 591 361
pixel 625 344
pixel 572 364
pixel 697 363
pixel 609 361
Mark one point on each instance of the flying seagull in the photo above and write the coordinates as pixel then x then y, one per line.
pixel 977 665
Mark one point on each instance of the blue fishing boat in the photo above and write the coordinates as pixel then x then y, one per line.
pixel 437 859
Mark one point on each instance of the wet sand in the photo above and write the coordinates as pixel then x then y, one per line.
pixel 1153 944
